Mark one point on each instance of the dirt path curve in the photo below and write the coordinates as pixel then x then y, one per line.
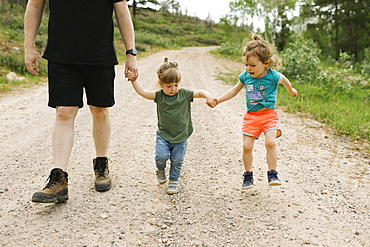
pixel 324 200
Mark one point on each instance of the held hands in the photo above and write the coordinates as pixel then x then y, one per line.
pixel 131 66
pixel 212 102
pixel 131 76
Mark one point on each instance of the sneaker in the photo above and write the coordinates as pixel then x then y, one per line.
pixel 161 176
pixel 56 189
pixel 273 178
pixel 172 187
pixel 248 180
pixel 102 180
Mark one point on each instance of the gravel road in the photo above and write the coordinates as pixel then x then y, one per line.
pixel 324 199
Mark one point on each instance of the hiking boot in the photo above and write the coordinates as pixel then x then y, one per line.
pixel 161 176
pixel 56 189
pixel 248 180
pixel 273 178
pixel 102 180
pixel 172 187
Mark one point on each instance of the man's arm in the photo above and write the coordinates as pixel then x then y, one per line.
pixel 32 20
pixel 126 28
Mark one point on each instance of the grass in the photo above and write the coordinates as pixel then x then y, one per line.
pixel 349 113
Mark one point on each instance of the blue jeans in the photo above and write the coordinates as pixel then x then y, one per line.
pixel 165 150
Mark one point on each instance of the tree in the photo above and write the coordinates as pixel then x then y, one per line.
pixel 135 3
pixel 345 24
pixel 272 13
pixel 168 5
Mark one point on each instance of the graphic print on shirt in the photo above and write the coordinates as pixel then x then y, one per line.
pixel 255 96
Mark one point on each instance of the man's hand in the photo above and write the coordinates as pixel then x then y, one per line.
pixel 131 66
pixel 31 60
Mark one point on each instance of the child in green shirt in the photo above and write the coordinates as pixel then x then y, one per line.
pixel 174 119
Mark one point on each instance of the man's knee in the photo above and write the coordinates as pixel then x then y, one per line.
pixel 99 112
pixel 66 112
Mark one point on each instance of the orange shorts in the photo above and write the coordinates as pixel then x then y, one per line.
pixel 260 121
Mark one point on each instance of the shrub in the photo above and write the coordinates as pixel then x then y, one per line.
pixel 152 39
pixel 140 47
pixel 230 49
pixel 341 78
pixel 365 65
pixel 203 39
pixel 301 59
pixel 15 62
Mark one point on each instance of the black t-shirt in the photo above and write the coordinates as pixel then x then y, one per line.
pixel 81 32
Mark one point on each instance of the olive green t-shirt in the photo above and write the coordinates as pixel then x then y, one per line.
pixel 174 115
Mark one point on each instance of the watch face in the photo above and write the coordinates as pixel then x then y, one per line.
pixel 132 52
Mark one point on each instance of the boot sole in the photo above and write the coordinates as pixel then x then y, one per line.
pixel 103 187
pixel 62 196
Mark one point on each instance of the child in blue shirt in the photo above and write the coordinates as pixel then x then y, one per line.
pixel 261 84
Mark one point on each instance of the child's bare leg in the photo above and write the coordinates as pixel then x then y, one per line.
pixel 248 144
pixel 270 144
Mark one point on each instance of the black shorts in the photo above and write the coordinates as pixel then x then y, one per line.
pixel 67 83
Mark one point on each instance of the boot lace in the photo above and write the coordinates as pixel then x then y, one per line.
pixel 54 178
pixel 100 169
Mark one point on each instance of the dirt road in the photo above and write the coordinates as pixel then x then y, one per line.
pixel 324 199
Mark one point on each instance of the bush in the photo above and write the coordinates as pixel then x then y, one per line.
pixel 152 39
pixel 203 39
pixel 365 65
pixel 231 50
pixel 140 47
pixel 15 63
pixel 341 78
pixel 301 59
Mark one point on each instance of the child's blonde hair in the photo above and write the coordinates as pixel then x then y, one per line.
pixel 262 49
pixel 168 72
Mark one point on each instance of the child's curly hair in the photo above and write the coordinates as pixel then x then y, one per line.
pixel 168 72
pixel 262 49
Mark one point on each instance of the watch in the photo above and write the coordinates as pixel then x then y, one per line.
pixel 132 52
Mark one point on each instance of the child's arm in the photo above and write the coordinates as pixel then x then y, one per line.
pixel 139 88
pixel 288 86
pixel 231 93
pixel 205 94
